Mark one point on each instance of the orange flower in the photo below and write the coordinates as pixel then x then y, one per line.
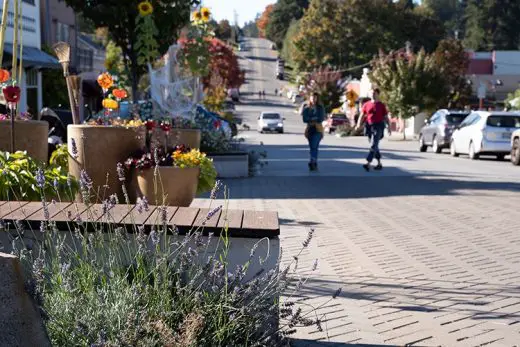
pixel 105 81
pixel 4 75
pixel 111 104
pixel 119 93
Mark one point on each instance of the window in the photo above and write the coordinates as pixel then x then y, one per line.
pixel 62 32
pixel 456 118
pixel 503 121
pixel 86 60
pixel 271 116
pixel 470 119
pixel 31 78
pixel 434 118
pixel 30 2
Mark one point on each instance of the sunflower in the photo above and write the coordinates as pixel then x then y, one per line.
pixel 196 16
pixel 145 8
pixel 205 14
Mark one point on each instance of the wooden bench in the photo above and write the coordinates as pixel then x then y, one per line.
pixel 240 223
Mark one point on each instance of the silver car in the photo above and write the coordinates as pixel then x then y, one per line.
pixel 270 121
pixel 438 129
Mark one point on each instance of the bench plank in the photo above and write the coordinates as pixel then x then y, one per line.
pixel 92 213
pixel 75 209
pixel 24 211
pixel 53 209
pixel 116 214
pixel 232 219
pixel 205 224
pixel 134 217
pixel 184 219
pixel 156 218
pixel 260 224
pixel 10 207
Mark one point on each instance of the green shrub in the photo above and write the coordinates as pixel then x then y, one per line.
pixel 18 179
pixel 60 157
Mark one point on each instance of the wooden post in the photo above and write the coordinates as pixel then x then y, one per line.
pixel 480 103
pixel 5 9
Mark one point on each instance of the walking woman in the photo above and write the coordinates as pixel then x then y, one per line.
pixel 313 115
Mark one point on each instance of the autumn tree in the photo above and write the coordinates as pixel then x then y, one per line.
pixel 327 83
pixel 223 30
pixel 224 63
pixel 283 14
pixel 289 49
pixel 120 16
pixel 262 22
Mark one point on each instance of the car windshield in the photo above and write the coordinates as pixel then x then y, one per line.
pixel 501 121
pixel 339 116
pixel 270 116
pixel 456 118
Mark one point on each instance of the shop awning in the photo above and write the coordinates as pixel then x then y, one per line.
pixel 33 57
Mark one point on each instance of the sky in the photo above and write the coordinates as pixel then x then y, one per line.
pixel 246 9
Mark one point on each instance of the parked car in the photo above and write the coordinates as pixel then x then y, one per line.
pixel 335 120
pixel 270 121
pixel 228 106
pixel 485 133
pixel 515 147
pixel 234 94
pixel 297 99
pixel 438 129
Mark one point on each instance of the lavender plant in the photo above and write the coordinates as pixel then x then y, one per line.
pixel 154 287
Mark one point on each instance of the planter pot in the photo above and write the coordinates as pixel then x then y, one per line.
pixel 30 136
pixel 188 137
pixel 100 148
pixel 231 165
pixel 175 186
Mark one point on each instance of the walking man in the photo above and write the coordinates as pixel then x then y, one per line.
pixel 375 117
pixel 313 115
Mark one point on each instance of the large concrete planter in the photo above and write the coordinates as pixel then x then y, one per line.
pixel 100 148
pixel 30 136
pixel 231 165
pixel 188 137
pixel 173 186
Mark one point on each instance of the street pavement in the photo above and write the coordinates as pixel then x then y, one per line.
pixel 426 252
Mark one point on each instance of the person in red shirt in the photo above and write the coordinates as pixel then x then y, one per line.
pixel 375 116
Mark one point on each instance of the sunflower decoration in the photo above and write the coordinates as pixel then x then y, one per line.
pixel 145 8
pixel 196 16
pixel 205 14
pixel 105 80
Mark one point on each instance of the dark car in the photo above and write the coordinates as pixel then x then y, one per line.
pixel 335 120
pixel 438 129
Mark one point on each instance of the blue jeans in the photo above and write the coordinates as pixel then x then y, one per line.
pixel 376 133
pixel 314 143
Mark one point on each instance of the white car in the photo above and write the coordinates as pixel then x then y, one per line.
pixel 485 133
pixel 270 121
pixel 515 147
pixel 297 99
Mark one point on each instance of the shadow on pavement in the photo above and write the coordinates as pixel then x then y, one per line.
pixel 311 343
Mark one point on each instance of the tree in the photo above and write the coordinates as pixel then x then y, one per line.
pixel 327 83
pixel 262 22
pixel 224 64
pixel 54 86
pixel 492 25
pixel 119 16
pixel 284 12
pixel 289 49
pixel 250 29
pixel 409 82
pixel 223 30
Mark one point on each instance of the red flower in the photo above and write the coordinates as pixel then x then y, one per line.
pixel 149 124
pixel 217 124
pixel 12 93
pixel 166 127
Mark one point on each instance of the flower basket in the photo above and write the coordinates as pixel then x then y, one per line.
pixel 30 136
pixel 99 150
pixel 173 186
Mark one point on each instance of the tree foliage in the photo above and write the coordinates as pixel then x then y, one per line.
pixel 262 22
pixel 119 16
pixel 284 12
pixel 289 49
pixel 409 82
pixel 224 64
pixel 325 82
pixel 250 29
pixel 492 25
pixel 54 86
pixel 223 30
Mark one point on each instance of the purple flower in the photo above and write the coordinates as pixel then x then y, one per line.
pixel 142 205
pixel 84 181
pixel 43 227
pixel 40 178
pixel 55 183
pixel 154 235
pixel 213 212
pixel 73 148
pixel 120 172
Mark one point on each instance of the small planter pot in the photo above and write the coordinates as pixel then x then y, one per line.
pixel 231 165
pixel 173 186
pixel 100 148
pixel 31 136
pixel 188 137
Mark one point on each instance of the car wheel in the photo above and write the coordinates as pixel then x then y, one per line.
pixel 435 145
pixel 422 146
pixel 280 131
pixel 472 154
pixel 500 157
pixel 515 152
pixel 453 150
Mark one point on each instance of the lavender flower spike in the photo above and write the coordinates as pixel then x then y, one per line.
pixel 142 205
pixel 73 148
pixel 40 178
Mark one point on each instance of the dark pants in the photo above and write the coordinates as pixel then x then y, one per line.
pixel 375 133
pixel 314 138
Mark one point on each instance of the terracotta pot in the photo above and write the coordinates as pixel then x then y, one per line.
pixel 175 186
pixel 100 148
pixel 188 137
pixel 30 136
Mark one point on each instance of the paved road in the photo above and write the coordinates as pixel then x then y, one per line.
pixel 427 252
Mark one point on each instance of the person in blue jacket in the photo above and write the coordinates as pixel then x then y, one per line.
pixel 313 114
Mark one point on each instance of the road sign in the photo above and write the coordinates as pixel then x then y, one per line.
pixel 481 92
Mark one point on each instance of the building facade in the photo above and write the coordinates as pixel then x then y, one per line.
pixel 33 58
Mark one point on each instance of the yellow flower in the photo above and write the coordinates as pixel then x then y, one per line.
pixel 196 16
pixel 205 13
pixel 145 8
pixel 110 104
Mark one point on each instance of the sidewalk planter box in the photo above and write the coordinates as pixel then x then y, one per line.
pixel 30 136
pixel 174 186
pixel 231 165
pixel 100 148
pixel 188 137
